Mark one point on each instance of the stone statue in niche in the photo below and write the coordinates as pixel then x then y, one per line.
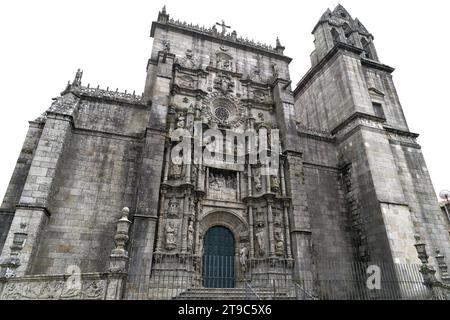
pixel 277 217
pixel 279 243
pixel 181 121
pixel 257 179
pixel 260 238
pixel 171 232
pixel 173 208
pixel 166 46
pixel 243 257
pixel 275 183
pixel 176 171
pixel 190 235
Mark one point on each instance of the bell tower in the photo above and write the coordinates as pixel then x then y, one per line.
pixel 349 98
pixel 338 26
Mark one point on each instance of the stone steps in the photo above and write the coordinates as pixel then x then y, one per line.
pixel 231 294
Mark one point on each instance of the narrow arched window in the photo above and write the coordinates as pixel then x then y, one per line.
pixel 335 35
pixel 366 47
pixel 347 30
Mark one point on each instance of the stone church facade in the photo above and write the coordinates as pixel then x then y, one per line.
pixel 351 183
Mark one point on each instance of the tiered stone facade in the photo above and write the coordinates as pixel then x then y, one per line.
pixel 351 184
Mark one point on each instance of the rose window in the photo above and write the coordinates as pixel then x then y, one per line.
pixel 222 114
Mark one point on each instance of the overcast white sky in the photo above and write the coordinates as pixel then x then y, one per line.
pixel 44 42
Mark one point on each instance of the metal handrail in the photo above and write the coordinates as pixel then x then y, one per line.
pixel 248 286
pixel 306 292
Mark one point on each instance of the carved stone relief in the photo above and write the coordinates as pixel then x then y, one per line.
pixel 173 208
pixel 224 83
pixel 53 290
pixel 275 183
pixel 222 185
pixel 186 81
pixel 279 242
pixel 171 230
pixel 189 61
pixel 224 61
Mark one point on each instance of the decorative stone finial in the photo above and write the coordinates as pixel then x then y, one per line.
pixel 119 255
pixel 77 81
pixel 279 48
pixel 417 237
pixel 163 17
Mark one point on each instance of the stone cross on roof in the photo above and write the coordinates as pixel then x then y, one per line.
pixel 224 27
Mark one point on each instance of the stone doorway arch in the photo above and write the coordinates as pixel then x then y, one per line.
pixel 236 225
pixel 218 258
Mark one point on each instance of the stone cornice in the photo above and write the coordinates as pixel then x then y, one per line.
pixel 376 65
pixel 314 134
pixel 34 207
pixel 402 137
pixel 356 120
pixel 7 211
pixel 106 95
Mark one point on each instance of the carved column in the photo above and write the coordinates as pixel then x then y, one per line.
pixel 197 227
pixel 185 222
pixel 200 178
pixel 283 181
pixel 250 223
pixel 287 233
pixel 249 182
pixel 270 227
pixel 238 186
pixel 207 180
pixel 268 186
pixel 166 162
pixel 162 221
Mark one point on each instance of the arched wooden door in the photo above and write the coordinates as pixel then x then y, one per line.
pixel 218 258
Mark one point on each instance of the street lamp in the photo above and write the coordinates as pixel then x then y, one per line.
pixel 445 195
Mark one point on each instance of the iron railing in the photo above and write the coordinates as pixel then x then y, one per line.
pixel 267 279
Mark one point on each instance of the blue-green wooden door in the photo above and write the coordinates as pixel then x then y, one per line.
pixel 218 258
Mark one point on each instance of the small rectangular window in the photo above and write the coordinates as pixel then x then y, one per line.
pixel 378 109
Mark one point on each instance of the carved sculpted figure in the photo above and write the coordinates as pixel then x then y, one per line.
pixel 190 236
pixel 224 83
pixel 257 178
pixel 172 210
pixel 275 182
pixel 243 257
pixel 181 122
pixel 279 243
pixel 260 235
pixel 171 239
